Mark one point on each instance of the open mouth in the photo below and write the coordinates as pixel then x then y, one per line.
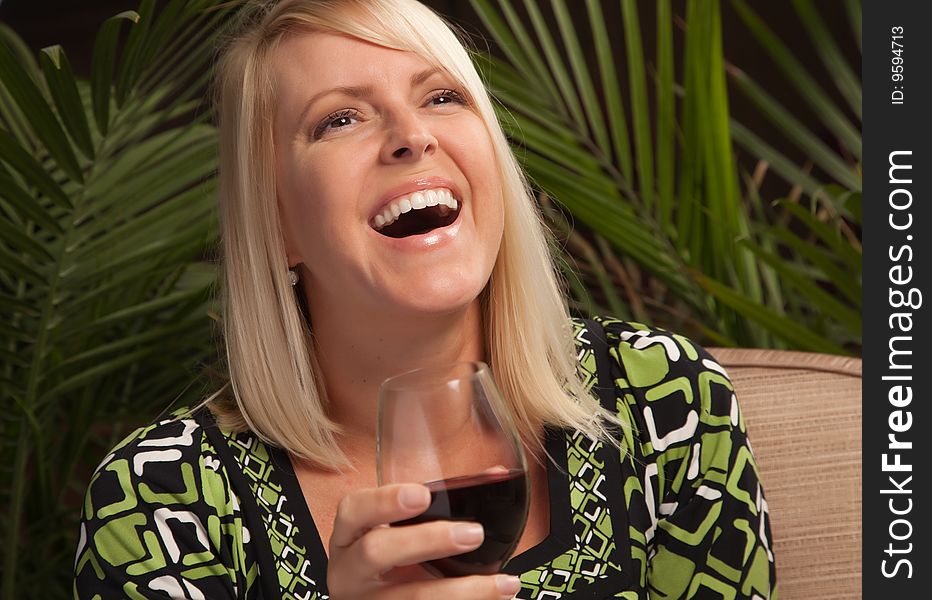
pixel 417 214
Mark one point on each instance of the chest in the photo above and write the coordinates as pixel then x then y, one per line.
pixel 323 492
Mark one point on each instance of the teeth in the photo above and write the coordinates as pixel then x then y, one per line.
pixel 416 201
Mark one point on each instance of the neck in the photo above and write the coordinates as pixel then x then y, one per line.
pixel 356 354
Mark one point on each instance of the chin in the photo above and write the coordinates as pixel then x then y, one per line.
pixel 441 297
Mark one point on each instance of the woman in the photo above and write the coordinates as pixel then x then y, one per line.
pixel 340 119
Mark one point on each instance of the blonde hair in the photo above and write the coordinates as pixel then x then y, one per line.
pixel 277 386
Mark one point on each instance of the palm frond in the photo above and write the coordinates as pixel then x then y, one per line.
pixel 667 195
pixel 105 215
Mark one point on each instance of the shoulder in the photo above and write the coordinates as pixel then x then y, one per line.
pixel 669 386
pixel 168 463
pixel 160 514
pixel 647 355
pixel 175 437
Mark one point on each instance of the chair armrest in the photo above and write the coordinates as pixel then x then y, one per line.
pixel 803 414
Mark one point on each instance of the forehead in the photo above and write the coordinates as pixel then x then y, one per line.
pixel 313 61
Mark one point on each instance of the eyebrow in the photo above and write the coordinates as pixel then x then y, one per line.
pixel 362 91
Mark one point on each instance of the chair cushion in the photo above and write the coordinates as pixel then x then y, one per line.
pixel 803 413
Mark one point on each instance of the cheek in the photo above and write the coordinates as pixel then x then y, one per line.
pixel 474 152
pixel 309 194
pixel 478 159
pixel 302 201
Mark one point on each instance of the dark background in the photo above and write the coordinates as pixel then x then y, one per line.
pixel 73 24
pixel 889 128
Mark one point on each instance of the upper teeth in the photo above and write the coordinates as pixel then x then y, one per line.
pixel 415 201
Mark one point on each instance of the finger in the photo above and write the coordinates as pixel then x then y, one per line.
pixel 385 548
pixel 406 574
pixel 477 587
pixel 360 511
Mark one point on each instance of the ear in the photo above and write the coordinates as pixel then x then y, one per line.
pixel 292 254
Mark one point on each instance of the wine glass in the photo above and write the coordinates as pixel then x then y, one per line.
pixel 448 428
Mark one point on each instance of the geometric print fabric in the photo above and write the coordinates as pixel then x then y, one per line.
pixel 678 512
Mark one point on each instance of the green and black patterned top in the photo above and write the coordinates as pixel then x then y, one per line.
pixel 183 509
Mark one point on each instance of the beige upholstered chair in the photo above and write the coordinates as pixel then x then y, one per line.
pixel 803 413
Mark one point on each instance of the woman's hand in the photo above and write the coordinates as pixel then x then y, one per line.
pixel 369 559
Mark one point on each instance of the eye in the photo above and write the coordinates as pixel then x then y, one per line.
pixel 450 96
pixel 338 120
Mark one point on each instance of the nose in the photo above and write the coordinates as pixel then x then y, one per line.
pixel 409 140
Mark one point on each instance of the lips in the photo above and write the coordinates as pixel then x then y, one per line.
pixel 411 186
pixel 418 212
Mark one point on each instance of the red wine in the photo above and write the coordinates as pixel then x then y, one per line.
pixel 499 501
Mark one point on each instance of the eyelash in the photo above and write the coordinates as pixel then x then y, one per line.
pixel 330 119
pixel 457 97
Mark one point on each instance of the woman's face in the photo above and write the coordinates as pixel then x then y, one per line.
pixel 358 129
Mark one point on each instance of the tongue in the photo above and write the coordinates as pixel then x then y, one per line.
pixel 418 222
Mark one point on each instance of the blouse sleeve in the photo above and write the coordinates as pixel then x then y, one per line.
pixel 160 521
pixel 709 530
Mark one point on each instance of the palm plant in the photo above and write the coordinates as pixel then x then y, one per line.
pixel 105 219
pixel 677 234
pixel 106 195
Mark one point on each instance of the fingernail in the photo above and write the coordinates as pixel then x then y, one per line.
pixel 467 534
pixel 414 496
pixel 508 585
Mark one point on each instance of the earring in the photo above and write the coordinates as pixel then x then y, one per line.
pixel 292 277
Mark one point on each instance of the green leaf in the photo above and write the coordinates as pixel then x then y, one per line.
pixel 507 36
pixel 105 351
pixel 666 116
pixel 783 327
pixel 581 75
pixel 135 52
pixel 853 10
pixel 86 376
pixel 30 169
pixel 102 66
pixel 11 117
pixel 798 133
pixel 64 91
pixel 827 234
pixel 773 294
pixel 16 266
pixel 146 307
pixel 16 238
pixel 57 316
pixel 556 67
pixel 819 298
pixel 191 207
pixel 165 29
pixel 562 149
pixel 12 358
pixel 807 87
pixel 43 122
pixel 837 67
pixel 20 49
pixel 779 162
pixel 612 93
pixel 12 306
pixel 183 38
pixel 24 204
pixel 845 281
pixel 850 203
pixel 126 255
pixel 640 113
